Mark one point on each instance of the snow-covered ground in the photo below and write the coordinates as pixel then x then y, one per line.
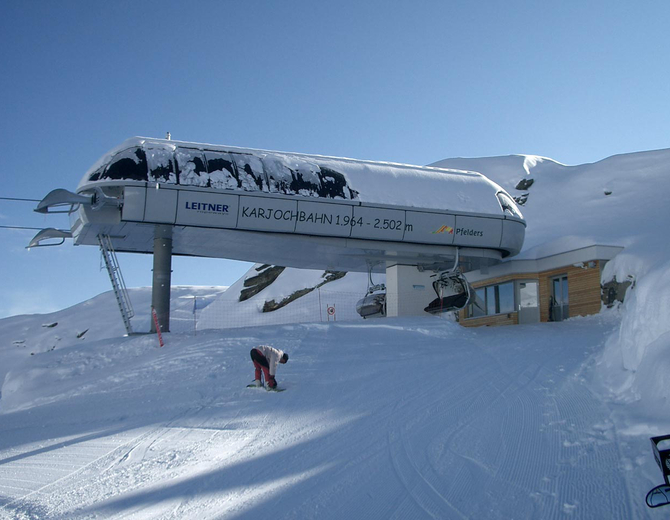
pixel 393 418
pixel 402 418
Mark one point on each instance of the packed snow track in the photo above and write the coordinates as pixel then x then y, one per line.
pixel 405 419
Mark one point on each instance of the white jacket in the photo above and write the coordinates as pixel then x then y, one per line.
pixel 273 355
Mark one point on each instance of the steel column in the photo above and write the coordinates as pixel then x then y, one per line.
pixel 162 275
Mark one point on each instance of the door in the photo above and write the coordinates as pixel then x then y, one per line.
pixel 560 309
pixel 529 302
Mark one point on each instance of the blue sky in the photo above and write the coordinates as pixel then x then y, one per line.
pixel 400 81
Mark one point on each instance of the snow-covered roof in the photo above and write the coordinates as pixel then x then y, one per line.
pixel 372 181
pixel 557 258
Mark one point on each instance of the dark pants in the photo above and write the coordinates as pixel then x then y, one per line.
pixel 261 364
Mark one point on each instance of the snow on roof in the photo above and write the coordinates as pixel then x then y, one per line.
pixel 375 181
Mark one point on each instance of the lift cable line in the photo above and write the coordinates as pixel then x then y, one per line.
pixel 21 227
pixel 19 199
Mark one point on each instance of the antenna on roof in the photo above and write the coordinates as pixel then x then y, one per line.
pixel 168 136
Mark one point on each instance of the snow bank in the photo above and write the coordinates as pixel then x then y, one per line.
pixel 635 364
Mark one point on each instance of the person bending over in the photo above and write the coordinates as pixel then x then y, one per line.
pixel 266 359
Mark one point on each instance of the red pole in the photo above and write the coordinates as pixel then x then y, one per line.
pixel 158 329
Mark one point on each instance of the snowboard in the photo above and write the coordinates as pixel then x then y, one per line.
pixel 268 389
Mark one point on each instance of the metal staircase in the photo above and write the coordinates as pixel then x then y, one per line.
pixel 116 278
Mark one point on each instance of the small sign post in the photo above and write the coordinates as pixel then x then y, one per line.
pixel 158 329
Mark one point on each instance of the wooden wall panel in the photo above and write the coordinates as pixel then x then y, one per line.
pixel 496 320
pixel 584 294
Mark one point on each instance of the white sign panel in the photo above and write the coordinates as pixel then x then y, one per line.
pixel 429 228
pixel 377 223
pixel 198 208
pixel 477 231
pixel 134 198
pixel 317 218
pixel 161 205
pixel 266 214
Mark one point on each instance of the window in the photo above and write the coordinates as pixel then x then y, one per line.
pixel 220 171
pixel 161 165
pixel 130 164
pixel 508 205
pixel 191 167
pixel 478 308
pixel 506 297
pixel 493 299
pixel 560 308
pixel 251 176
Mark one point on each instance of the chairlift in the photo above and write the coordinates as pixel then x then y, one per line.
pixel 373 304
pixel 660 495
pixel 453 292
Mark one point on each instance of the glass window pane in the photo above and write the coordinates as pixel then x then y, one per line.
pixel 220 171
pixel 481 294
pixel 97 173
pixel 129 164
pixel 556 290
pixel 528 294
pixel 506 297
pixel 191 167
pixel 490 300
pixel 280 176
pixel 334 185
pixel 295 175
pixel 564 286
pixel 161 165
pixel 508 205
pixel 250 172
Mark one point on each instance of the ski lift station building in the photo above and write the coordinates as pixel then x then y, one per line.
pixel 166 197
pixel 553 286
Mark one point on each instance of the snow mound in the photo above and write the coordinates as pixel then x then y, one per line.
pixel 635 363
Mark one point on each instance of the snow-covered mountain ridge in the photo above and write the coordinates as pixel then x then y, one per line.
pixel 608 201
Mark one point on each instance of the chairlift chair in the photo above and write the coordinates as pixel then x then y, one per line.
pixel 373 304
pixel 453 292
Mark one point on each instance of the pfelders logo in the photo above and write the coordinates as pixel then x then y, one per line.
pixel 444 229
pixel 206 207
pixel 465 232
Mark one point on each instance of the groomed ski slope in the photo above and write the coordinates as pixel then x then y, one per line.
pixel 401 418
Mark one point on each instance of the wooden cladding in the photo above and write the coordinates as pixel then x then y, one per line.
pixel 583 290
pixel 584 294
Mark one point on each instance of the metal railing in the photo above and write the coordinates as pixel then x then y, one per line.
pixel 118 284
